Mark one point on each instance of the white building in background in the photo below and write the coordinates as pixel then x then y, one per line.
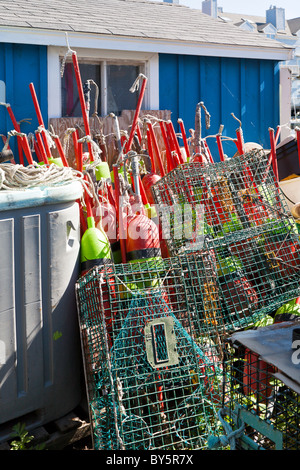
pixel 274 26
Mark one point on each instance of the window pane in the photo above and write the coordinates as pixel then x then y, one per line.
pixel 70 98
pixel 119 79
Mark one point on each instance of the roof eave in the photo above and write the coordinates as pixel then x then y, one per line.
pixel 21 35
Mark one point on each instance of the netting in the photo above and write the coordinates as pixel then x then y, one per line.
pixel 153 376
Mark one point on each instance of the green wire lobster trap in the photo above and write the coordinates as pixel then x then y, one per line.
pixel 261 402
pixel 235 211
pixel 153 376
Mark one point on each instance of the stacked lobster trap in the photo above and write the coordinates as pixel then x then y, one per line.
pixel 153 331
pixel 154 381
pixel 240 218
pixel 261 402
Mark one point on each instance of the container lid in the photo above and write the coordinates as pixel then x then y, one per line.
pixel 40 195
pixel 273 343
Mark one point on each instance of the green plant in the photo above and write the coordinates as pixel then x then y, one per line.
pixel 23 439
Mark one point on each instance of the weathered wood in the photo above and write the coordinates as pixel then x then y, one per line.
pixel 102 127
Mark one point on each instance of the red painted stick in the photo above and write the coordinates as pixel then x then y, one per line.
pixel 170 162
pixel 40 119
pixel 37 151
pixel 75 145
pixel 23 140
pixel 41 148
pixel 183 133
pixel 240 141
pixel 175 141
pixel 208 151
pixel 60 150
pixel 82 101
pixel 155 145
pixel 143 194
pixel 136 115
pixel 220 147
pixel 80 156
pixel 119 214
pixel 150 151
pixel 138 131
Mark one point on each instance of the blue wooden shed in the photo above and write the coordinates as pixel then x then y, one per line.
pixel 187 56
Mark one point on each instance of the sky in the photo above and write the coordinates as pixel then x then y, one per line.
pixel 252 7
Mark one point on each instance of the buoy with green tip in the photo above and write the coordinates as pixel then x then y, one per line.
pixel 95 246
pixel 102 171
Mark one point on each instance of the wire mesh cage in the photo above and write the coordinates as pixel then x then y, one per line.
pixel 153 375
pixel 237 195
pixel 234 210
pixel 261 402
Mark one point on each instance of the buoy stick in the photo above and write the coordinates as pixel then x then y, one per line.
pixel 220 148
pixel 183 133
pixel 40 119
pixel 150 151
pixel 240 141
pixel 37 151
pixel 175 141
pixel 156 149
pixel 119 214
pixel 82 101
pixel 41 147
pixel 167 145
pixel 21 139
pixel 137 111
pixel 60 150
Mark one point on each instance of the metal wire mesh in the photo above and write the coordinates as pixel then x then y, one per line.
pixel 262 390
pixel 234 211
pixel 153 377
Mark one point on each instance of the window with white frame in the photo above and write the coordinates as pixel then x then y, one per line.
pixel 106 86
pixel 114 72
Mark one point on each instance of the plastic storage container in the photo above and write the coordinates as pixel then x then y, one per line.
pixel 40 355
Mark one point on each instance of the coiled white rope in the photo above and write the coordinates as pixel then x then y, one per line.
pixel 17 177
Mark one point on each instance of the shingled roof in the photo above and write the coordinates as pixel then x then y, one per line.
pixel 140 19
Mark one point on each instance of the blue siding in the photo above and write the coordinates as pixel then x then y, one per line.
pixel 20 65
pixel 249 88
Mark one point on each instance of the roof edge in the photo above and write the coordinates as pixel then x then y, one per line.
pixel 21 35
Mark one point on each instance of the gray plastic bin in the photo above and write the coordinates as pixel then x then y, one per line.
pixel 40 355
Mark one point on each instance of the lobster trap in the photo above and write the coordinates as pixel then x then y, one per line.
pixel 153 376
pixel 261 402
pixel 235 211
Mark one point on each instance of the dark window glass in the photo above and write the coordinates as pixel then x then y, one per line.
pixel 70 98
pixel 119 80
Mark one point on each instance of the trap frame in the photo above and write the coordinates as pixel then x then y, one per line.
pixel 236 212
pixel 153 374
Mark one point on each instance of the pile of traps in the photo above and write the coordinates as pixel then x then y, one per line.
pixel 153 331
